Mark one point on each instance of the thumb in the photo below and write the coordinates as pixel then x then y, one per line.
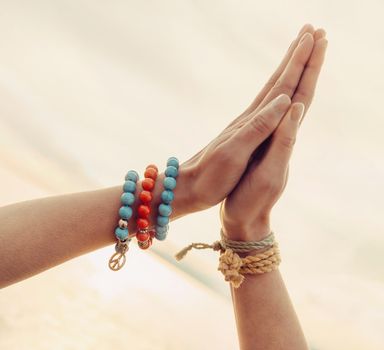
pixel 279 152
pixel 259 126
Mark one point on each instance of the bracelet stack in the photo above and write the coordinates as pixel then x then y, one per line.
pixel 144 234
pixel 232 266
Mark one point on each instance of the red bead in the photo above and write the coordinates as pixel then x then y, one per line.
pixel 142 223
pixel 145 196
pixel 148 184
pixel 153 166
pixel 144 210
pixel 142 236
pixel 152 233
pixel 151 173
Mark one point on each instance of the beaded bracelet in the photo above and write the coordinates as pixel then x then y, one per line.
pixel 167 196
pixel 144 236
pixel 117 260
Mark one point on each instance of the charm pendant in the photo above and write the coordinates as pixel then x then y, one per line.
pixel 118 259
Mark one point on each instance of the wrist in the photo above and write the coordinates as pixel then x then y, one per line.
pixel 180 205
pixel 254 230
pixel 184 198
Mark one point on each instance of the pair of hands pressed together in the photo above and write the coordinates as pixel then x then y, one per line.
pixel 246 166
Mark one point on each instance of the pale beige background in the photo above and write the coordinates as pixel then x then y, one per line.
pixel 83 82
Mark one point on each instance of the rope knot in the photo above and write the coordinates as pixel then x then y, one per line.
pixel 229 265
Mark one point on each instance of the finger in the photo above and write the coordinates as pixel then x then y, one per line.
pixel 319 33
pixel 238 122
pixel 306 89
pixel 307 28
pixel 262 124
pixel 289 79
pixel 279 152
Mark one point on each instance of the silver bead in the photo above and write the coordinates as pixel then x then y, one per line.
pixel 123 223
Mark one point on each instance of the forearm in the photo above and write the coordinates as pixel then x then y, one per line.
pixel 265 317
pixel 39 234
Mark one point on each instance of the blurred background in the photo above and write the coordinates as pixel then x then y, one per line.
pixel 83 82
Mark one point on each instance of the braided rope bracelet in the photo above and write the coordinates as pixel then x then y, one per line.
pixel 232 266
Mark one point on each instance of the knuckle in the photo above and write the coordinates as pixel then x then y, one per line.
pixel 304 96
pixel 261 125
pixel 285 86
pixel 222 154
pixel 287 141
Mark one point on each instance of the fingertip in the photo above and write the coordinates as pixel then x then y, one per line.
pixel 307 37
pixel 319 33
pixel 307 27
pixel 281 101
pixel 322 44
pixel 297 111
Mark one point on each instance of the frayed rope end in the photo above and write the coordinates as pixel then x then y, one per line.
pixel 182 253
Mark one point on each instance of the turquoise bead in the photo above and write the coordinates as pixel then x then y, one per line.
pixel 125 212
pixel 127 198
pixel 132 175
pixel 161 229
pixel 129 186
pixel 169 183
pixel 121 233
pixel 161 236
pixel 165 209
pixel 167 196
pixel 162 220
pixel 171 171
pixel 173 161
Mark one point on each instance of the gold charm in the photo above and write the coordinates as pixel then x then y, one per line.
pixel 118 259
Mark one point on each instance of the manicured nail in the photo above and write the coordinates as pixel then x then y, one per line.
pixel 322 32
pixel 297 111
pixel 306 36
pixel 281 100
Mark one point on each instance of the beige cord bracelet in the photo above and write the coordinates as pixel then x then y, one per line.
pixel 232 266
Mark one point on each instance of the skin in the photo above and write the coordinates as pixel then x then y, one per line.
pixel 43 233
pixel 264 314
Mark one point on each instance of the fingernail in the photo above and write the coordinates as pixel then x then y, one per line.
pixel 281 100
pixel 322 33
pixel 297 111
pixel 306 36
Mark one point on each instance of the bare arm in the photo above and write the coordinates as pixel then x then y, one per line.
pixel 265 317
pixel 38 234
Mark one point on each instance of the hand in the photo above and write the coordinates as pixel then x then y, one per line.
pixel 245 212
pixel 209 176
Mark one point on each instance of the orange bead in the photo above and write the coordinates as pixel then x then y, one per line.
pixel 148 184
pixel 150 173
pixel 145 196
pixel 142 236
pixel 153 166
pixel 142 223
pixel 143 210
